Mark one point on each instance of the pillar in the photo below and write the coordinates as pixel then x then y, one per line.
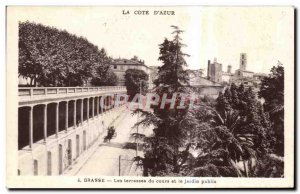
pixel 114 100
pixel 93 107
pixel 81 111
pixel 67 116
pixel 30 127
pixel 109 102
pixel 74 109
pixel 45 123
pixel 102 104
pixel 88 109
pixel 97 104
pixel 57 119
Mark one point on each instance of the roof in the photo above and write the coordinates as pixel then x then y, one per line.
pixel 203 81
pixel 128 62
pixel 226 73
pixel 245 71
pixel 260 74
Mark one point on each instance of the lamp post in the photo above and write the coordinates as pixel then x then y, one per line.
pixel 138 116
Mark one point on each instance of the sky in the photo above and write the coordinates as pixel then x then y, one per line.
pixel 266 34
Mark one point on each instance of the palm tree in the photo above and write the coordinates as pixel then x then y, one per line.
pixel 232 138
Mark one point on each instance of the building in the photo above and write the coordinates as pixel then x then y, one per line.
pixel 242 72
pixel 194 76
pixel 243 61
pixel 216 74
pixel 241 75
pixel 248 78
pixel 203 86
pixel 57 126
pixel 119 67
pixel 214 71
pixel 227 76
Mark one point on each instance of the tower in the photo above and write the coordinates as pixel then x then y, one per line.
pixel 214 71
pixel 229 69
pixel 208 70
pixel 243 61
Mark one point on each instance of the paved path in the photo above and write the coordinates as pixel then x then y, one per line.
pixel 105 159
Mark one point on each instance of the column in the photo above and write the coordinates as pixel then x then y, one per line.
pixel 114 100
pixel 109 102
pixel 67 116
pixel 45 123
pixel 88 109
pixel 57 119
pixel 74 114
pixel 97 104
pixel 104 104
pixel 81 111
pixel 93 107
pixel 30 127
pixel 101 97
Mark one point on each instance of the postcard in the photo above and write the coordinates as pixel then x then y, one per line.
pixel 150 97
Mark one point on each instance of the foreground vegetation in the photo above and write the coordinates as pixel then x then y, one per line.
pixel 233 136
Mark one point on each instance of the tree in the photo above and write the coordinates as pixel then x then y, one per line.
pixel 135 80
pixel 103 75
pixel 272 91
pixel 167 151
pixel 108 78
pixel 235 131
pixel 255 119
pixel 52 57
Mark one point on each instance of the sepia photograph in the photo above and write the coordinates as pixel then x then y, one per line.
pixel 150 97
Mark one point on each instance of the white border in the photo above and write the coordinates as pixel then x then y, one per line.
pixel 111 2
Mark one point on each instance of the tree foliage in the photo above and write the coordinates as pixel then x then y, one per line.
pixel 136 80
pixel 103 75
pixel 233 137
pixel 272 91
pixel 51 57
pixel 167 151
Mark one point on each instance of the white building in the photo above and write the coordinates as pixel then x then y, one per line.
pixel 119 67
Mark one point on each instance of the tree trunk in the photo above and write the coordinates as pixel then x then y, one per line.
pixel 145 171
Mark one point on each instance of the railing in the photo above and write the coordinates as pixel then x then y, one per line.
pixel 44 91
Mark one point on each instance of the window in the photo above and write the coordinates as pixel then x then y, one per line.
pixel 115 66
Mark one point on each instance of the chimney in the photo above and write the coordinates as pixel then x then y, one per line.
pixel 215 59
pixel 229 69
